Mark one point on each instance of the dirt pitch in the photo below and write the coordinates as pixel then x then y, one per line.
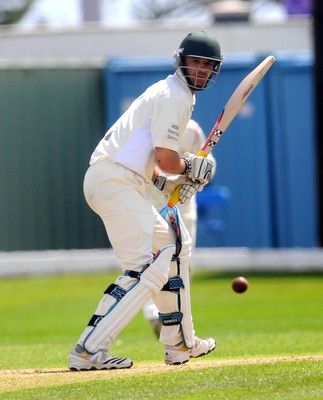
pixel 11 380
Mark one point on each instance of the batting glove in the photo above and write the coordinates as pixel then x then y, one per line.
pixel 167 186
pixel 198 168
pixel 188 190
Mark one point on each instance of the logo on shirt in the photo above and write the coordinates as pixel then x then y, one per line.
pixel 173 132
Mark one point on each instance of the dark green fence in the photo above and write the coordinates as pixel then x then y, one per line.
pixel 51 120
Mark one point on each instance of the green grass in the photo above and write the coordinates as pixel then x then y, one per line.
pixel 279 315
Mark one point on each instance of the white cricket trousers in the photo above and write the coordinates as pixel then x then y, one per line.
pixel 136 230
pixel 123 200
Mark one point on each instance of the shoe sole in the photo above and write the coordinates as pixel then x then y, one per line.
pixel 177 362
pixel 75 364
pixel 74 369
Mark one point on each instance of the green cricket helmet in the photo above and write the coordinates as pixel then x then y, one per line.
pixel 198 45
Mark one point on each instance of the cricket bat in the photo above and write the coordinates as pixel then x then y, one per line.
pixel 230 110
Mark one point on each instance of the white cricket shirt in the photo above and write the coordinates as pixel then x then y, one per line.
pixel 157 118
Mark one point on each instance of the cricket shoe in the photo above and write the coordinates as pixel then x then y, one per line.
pixel 81 360
pixel 180 354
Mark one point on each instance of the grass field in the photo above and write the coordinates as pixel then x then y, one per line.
pixel 270 341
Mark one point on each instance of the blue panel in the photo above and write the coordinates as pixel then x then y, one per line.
pixel 293 153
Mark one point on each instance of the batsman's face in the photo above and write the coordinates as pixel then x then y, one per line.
pixel 199 70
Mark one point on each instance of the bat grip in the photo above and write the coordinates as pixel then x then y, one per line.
pixel 174 198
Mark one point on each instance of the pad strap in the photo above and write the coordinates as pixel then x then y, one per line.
pixel 133 274
pixel 95 319
pixel 170 319
pixel 115 291
pixel 174 284
pixel 136 274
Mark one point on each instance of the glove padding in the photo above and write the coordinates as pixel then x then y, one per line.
pixel 188 190
pixel 167 186
pixel 199 168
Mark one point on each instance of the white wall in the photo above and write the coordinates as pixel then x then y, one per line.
pixel 97 44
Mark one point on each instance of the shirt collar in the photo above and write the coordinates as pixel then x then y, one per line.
pixel 181 80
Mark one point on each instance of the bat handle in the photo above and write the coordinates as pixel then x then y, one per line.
pixel 174 198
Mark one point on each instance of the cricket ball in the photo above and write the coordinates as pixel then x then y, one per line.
pixel 240 284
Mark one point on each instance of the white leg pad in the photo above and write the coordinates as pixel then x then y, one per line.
pixel 178 303
pixel 152 280
pixel 107 303
pixel 169 303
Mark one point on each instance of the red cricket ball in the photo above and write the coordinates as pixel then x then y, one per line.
pixel 240 284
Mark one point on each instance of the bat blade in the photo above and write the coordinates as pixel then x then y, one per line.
pixel 234 104
pixel 230 110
